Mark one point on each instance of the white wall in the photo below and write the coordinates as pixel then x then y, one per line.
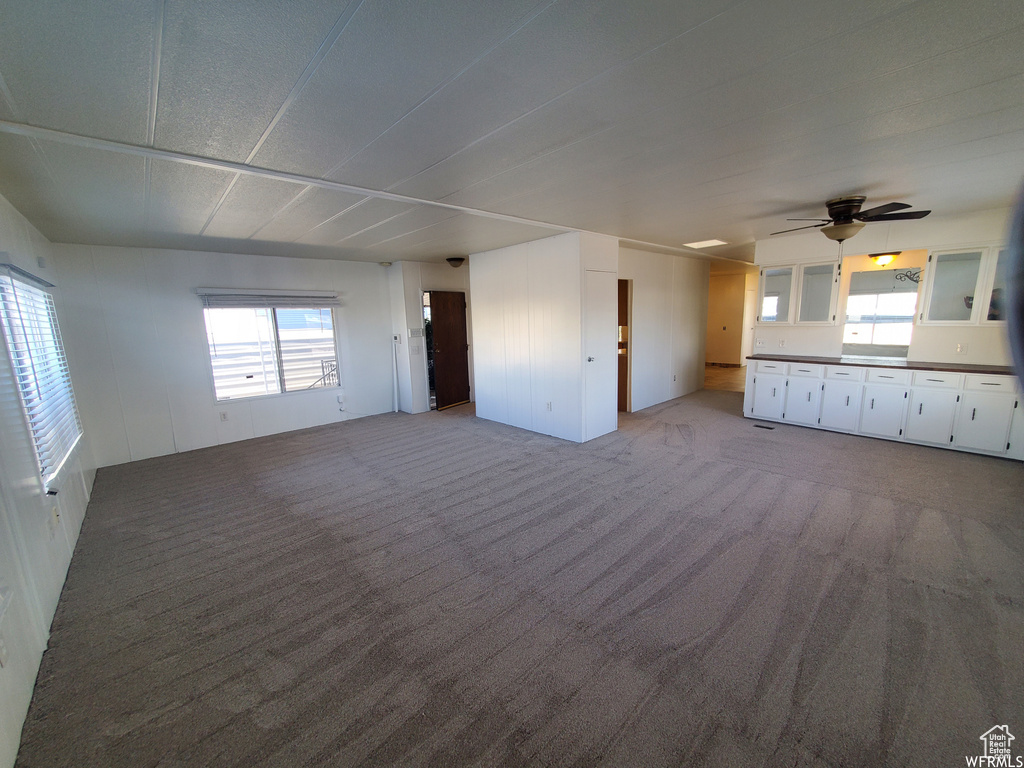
pixel 138 353
pixel 985 344
pixel 35 545
pixel 668 329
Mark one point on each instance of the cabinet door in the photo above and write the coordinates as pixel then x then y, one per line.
pixel 840 405
pixel 766 401
pixel 882 411
pixel 803 396
pixel 930 419
pixel 1017 432
pixel 984 422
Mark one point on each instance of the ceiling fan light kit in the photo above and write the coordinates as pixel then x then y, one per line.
pixel 846 218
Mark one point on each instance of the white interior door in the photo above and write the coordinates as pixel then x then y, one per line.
pixel 600 350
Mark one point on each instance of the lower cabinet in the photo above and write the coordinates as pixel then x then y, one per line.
pixel 882 410
pixel 768 395
pixel 981 413
pixel 840 405
pixel 984 422
pixel 803 399
pixel 930 419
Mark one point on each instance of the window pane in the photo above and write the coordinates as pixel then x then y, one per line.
pixel 996 303
pixel 775 300
pixel 954 285
pixel 242 352
pixel 816 293
pixel 306 344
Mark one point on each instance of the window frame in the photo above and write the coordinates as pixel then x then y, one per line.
pixel 55 446
pixel 226 298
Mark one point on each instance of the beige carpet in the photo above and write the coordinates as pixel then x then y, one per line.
pixel 441 590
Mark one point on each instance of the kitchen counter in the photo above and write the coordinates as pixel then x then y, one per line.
pixel 887 362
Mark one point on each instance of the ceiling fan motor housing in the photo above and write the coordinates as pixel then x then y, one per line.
pixel 842 209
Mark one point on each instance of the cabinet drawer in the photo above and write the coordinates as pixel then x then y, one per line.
pixel 981 382
pixel 888 376
pixel 844 373
pixel 937 379
pixel 770 366
pixel 802 369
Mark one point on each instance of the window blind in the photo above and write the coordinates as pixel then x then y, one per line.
pixel 40 367
pixel 224 298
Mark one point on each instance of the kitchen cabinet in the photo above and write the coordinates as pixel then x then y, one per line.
pixel 969 408
pixel 767 395
pixel 840 405
pixel 931 415
pixel 882 411
pixel 803 397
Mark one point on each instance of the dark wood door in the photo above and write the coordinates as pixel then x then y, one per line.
pixel 451 361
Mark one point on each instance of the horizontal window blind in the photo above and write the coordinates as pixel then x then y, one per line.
pixel 225 298
pixel 40 367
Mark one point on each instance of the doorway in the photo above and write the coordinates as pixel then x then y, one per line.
pixel 444 323
pixel 623 356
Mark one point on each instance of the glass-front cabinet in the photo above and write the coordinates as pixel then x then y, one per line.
pixel 965 286
pixel 790 294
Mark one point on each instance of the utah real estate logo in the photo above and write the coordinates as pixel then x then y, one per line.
pixel 997 750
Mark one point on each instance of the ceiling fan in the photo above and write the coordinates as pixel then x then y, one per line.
pixel 846 218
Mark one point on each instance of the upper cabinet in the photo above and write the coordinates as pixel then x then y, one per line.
pixel 798 295
pixel 964 286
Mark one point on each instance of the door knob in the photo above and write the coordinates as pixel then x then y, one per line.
pixel 590 359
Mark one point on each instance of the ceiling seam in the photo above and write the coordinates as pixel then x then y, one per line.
pixel 314 63
pixel 283 209
pixel 522 24
pixel 88 142
pixel 307 73
pixel 617 67
pixel 159 8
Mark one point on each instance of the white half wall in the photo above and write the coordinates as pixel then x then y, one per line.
pixel 37 532
pixel 137 348
pixel 668 329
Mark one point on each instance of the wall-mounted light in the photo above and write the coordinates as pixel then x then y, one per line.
pixel 455 261
pixel 884 259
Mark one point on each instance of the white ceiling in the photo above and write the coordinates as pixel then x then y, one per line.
pixel 403 129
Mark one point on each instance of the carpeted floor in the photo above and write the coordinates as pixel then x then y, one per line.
pixel 442 590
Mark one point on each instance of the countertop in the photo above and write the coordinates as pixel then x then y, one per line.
pixel 888 362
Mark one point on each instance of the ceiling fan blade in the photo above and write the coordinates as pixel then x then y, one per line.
pixel 808 219
pixel 878 210
pixel 797 229
pixel 905 216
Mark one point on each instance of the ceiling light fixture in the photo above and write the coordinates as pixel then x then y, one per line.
pixel 842 232
pixel 455 261
pixel 884 259
pixel 705 243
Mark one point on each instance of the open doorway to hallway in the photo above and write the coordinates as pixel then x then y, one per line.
pixel 732 300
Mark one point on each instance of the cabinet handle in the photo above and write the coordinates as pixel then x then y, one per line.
pixel 920 407
pixel 773 391
pixel 808 397
pixel 940 381
pixel 847 400
pixel 991 384
pixel 973 411
pixel 872 403
pixel 884 377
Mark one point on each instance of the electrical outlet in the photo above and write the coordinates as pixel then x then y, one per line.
pixel 673 377
pixel 3 652
pixel 961 349
pixel 782 343
pixel 759 342
pixel 223 415
pixel 549 406
pixel 54 521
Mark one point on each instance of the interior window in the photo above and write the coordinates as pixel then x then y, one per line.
pixel 996 309
pixel 953 286
pixel 880 312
